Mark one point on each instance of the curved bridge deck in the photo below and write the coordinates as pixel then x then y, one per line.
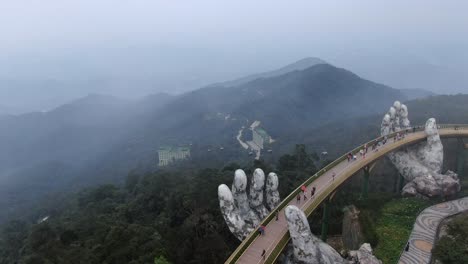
pixel 276 232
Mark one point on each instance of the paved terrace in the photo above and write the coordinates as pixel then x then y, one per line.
pixel 277 235
pixel 425 230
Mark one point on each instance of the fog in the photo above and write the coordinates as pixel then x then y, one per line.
pixel 52 52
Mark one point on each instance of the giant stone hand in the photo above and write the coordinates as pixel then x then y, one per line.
pixel 307 248
pixel 420 164
pixel 243 212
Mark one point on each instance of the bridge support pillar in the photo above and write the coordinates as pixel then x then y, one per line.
pixel 399 183
pixel 365 183
pixel 325 220
pixel 461 157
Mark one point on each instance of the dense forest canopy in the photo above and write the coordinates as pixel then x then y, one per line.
pixel 168 215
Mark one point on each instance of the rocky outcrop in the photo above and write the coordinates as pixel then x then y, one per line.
pixel 352 234
pixel 363 255
pixel 420 164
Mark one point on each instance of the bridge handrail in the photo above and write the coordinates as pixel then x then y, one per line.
pixel 254 234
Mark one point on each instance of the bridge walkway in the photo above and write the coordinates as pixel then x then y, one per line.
pixel 276 232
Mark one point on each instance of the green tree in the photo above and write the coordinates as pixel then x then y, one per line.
pixel 453 248
pixel 161 260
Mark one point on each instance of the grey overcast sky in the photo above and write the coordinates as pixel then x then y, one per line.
pixel 52 51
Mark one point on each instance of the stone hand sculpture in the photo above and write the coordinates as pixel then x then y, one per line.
pixel 307 248
pixel 420 164
pixel 243 212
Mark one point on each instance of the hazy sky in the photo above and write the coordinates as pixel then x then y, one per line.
pixel 57 50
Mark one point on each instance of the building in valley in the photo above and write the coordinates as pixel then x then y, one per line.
pixel 168 154
pixel 260 137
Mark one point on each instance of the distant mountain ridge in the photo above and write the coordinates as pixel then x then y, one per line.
pixel 296 66
pixel 100 138
pixel 416 93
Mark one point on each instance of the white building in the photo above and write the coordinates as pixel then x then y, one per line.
pixel 260 137
pixel 171 154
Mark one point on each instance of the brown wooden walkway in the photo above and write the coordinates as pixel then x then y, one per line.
pixel 277 234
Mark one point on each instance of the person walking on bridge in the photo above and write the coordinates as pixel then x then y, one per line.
pixel 312 192
pixel 261 230
pixel 298 199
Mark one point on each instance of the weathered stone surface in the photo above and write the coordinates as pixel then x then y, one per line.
pixel 231 213
pixel 256 193
pixel 272 194
pixel 420 164
pixel 352 234
pixel 307 247
pixel 243 212
pixel 364 255
pixel 240 214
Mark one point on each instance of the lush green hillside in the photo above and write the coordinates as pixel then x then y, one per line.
pixel 98 139
pixel 172 214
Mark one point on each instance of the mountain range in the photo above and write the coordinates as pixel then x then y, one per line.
pixel 101 138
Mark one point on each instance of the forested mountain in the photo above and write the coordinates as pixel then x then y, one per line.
pixel 163 213
pixel 296 66
pixel 98 139
pixel 412 94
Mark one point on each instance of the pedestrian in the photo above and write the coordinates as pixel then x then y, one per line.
pixel 349 158
pixel 263 254
pixel 261 230
pixel 305 197
pixel 365 147
pixel 407 247
pixel 354 157
pixel 276 215
pixel 298 199
pixel 333 176
pixel 312 192
pixel 364 155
